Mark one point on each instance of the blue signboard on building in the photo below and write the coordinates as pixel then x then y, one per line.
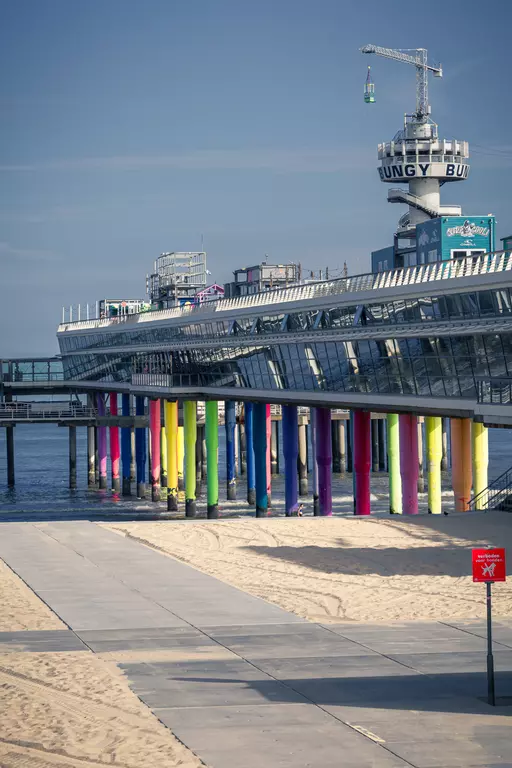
pixel 451 237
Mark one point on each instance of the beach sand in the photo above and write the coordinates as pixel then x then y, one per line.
pixel 75 709
pixel 20 608
pixel 345 569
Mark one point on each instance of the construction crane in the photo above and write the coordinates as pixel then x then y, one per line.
pixel 417 57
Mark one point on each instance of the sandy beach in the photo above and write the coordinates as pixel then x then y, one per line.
pixel 20 608
pixel 344 569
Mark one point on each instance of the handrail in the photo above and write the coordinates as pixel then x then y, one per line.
pixel 501 485
pixel 497 261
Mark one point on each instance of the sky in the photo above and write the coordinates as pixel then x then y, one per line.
pixel 133 127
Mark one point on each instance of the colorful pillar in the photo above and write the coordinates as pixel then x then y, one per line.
pixel 115 451
pixel 163 453
pixel 243 447
pixel 230 426
pixel 126 448
pixel 181 458
pixel 140 449
pixel 444 460
pixel 212 460
pixel 395 481
pixel 375 444
pixel 199 451
pixel 290 451
pixel 460 430
pixel 102 445
pixel 408 428
pixel 249 449
pixel 9 437
pixel 171 434
pixel 302 458
pixel 133 464
pixel 324 460
pixel 260 457
pixel 274 448
pixel 72 458
pixel 268 427
pixel 363 434
pixel 190 434
pixel 434 434
pixel 480 439
pixel 314 474
pixel 91 450
pixel 155 431
pixel 421 476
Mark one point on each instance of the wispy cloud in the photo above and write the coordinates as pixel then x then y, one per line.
pixel 278 160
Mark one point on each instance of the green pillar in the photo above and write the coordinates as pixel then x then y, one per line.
pixel 395 482
pixel 190 434
pixel 212 455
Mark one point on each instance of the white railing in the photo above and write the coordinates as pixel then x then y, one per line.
pixel 499 261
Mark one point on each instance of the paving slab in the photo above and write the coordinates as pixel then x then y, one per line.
pixel 280 736
pixel 146 638
pixel 325 667
pixel 501 629
pixel 40 641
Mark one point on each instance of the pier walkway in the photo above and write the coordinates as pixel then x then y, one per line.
pixel 243 683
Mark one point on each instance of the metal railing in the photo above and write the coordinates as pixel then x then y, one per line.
pixel 31 370
pixel 498 261
pixel 497 495
pixel 495 391
pixel 44 412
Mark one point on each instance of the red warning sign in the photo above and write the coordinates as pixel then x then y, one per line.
pixel 489 565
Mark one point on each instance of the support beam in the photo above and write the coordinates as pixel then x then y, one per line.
pixel 91 449
pixel 302 458
pixel 434 435
pixel 290 451
pixel 460 432
pixel 350 455
pixel 102 445
pixel 243 448
pixel 181 459
pixel 72 458
pixel 421 475
pixel 342 443
pixel 336 449
pixel 381 425
pixel 171 434
pixel 408 426
pixel 375 444
pixel 212 460
pixel 268 427
pixel 480 439
pixel 314 477
pixel 163 452
pixel 249 449
pixel 133 463
pixel 126 449
pixel 199 451
pixel 395 480
pixel 324 460
pixel 140 450
pixel 363 434
pixel 444 460
pixel 96 457
pixel 260 458
pixel 155 432
pixel 115 452
pixel 9 437
pixel 274 448
pixel 190 434
pixel 230 426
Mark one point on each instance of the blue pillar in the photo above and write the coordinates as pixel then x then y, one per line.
pixel 291 452
pixel 230 424
pixel 260 457
pixel 249 453
pixel 126 448
pixel 140 449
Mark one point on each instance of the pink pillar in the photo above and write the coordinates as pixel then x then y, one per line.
pixel 324 460
pixel 409 470
pixel 115 450
pixel 362 462
pixel 102 444
pixel 268 423
pixel 155 427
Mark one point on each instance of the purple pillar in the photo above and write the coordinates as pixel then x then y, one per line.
pixel 102 443
pixel 324 459
pixel 291 452
pixel 409 469
pixel 362 461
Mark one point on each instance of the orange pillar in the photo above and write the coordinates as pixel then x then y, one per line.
pixel 462 473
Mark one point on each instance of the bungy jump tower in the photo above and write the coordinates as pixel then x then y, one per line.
pixel 416 156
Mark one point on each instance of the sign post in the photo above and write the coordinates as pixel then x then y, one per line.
pixel 489 566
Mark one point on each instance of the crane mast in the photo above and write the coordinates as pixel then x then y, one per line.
pixel 417 57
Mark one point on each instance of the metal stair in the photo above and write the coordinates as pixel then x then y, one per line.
pixel 497 495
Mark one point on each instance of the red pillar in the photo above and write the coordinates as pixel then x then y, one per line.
pixel 362 461
pixel 115 451
pixel 409 470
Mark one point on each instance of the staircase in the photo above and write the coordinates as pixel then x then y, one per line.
pixel 497 495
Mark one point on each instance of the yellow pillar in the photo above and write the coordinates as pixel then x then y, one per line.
pixel 434 430
pixel 171 429
pixel 480 439
pixel 461 462
pixel 181 458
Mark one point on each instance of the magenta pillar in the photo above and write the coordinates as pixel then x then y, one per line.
pixel 409 470
pixel 324 459
pixel 362 462
pixel 115 449
pixel 155 426
pixel 102 444
pixel 268 424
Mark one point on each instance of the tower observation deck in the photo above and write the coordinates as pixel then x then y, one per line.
pixel 416 156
